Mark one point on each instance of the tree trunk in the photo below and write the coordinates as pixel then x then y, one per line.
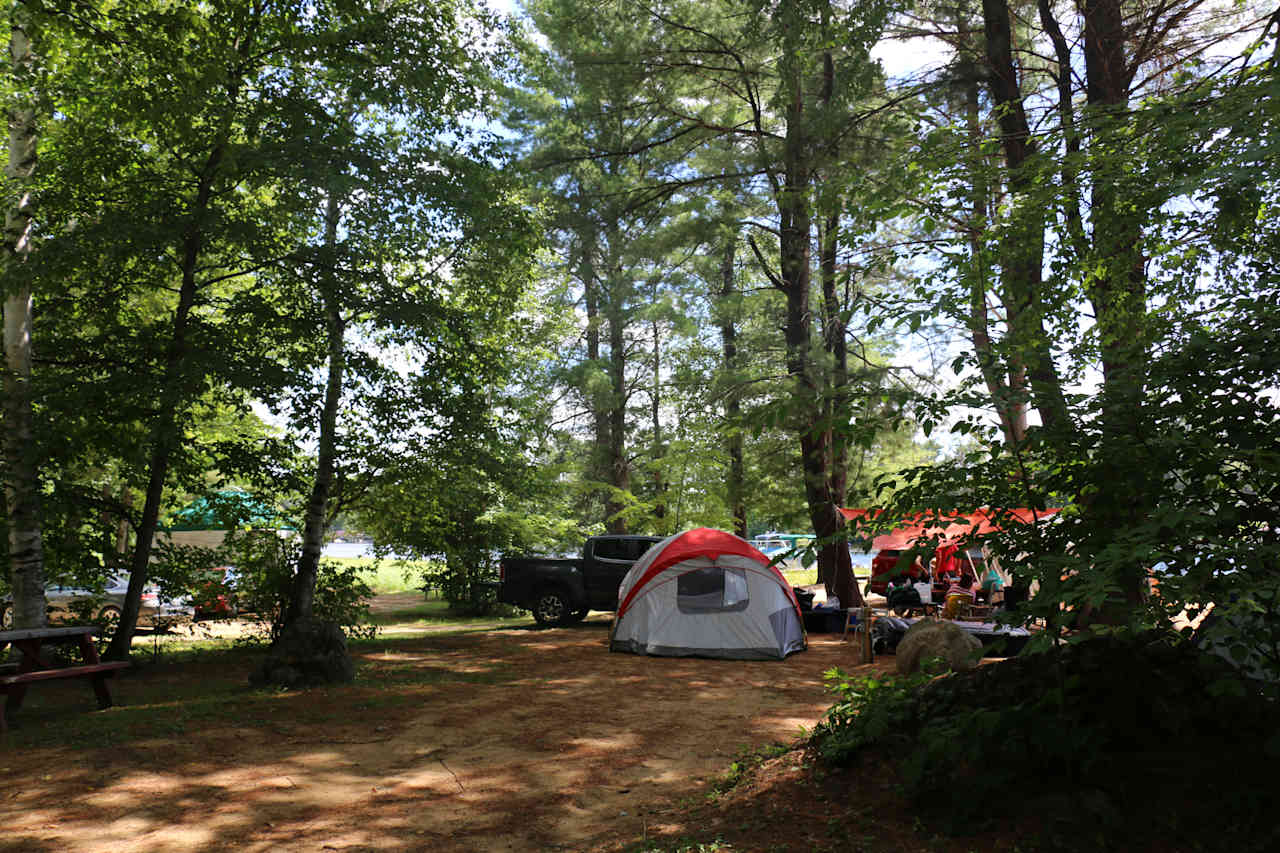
pixel 165 432
pixel 598 466
pixel 837 348
pixel 795 235
pixel 1070 133
pixel 836 400
pixel 22 487
pixel 735 486
pixel 302 597
pixel 659 485
pixel 619 465
pixel 1117 287
pixel 1021 250
pixel 1011 410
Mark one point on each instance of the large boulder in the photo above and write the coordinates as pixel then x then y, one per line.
pixel 307 653
pixel 931 638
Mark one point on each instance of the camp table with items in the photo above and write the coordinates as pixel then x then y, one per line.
pixel 34 666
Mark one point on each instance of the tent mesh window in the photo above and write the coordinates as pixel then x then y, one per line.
pixel 712 590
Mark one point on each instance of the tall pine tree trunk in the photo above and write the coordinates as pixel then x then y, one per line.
pixel 617 465
pixel 795 236
pixel 837 349
pixel 1010 407
pixel 1021 247
pixel 1117 286
pixel 22 489
pixel 598 466
pixel 659 451
pixel 735 485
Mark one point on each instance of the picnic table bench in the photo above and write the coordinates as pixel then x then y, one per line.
pixel 33 666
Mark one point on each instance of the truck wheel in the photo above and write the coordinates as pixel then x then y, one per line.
pixel 552 608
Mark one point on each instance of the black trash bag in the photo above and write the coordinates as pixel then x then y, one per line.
pixel 805 598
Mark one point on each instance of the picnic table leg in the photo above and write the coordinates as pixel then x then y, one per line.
pixel 100 688
pixel 89 651
pixel 30 660
pixel 13 701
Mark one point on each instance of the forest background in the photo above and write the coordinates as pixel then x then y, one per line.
pixel 472 283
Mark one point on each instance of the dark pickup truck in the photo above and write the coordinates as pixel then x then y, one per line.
pixel 563 591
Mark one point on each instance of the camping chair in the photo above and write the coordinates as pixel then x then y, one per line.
pixel 850 621
pixel 862 632
pixel 953 603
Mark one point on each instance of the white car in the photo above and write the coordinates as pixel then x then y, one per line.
pixel 69 603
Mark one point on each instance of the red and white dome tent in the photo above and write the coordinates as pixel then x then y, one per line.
pixel 707 593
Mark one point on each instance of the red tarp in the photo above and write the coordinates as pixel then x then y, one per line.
pixel 976 523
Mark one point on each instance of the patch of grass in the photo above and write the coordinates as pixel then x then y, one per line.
pixel 194 684
pixel 802 577
pixel 389 574
pixel 808 577
pixel 435 612
pixel 209 689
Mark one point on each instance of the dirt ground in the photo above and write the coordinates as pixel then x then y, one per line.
pixel 501 739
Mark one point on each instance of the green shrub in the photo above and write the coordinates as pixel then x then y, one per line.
pixel 870 711
pixel 1100 730
pixel 265 564
pixel 469 583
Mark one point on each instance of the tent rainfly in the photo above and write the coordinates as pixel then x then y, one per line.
pixel 707 593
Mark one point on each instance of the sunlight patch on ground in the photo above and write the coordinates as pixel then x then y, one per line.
pixel 614 742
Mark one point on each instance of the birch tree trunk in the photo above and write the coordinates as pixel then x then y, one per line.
pixel 22 491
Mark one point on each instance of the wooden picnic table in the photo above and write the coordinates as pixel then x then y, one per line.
pixel 34 666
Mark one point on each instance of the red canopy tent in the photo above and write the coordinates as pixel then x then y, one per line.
pixel 946 530
pixel 949 529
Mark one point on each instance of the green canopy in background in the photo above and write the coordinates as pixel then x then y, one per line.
pixel 225 509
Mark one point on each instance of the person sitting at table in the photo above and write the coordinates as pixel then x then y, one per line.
pixel 901 595
pixel 963 586
pixel 992 587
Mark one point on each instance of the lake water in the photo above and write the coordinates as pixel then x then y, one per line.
pixel 348 550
